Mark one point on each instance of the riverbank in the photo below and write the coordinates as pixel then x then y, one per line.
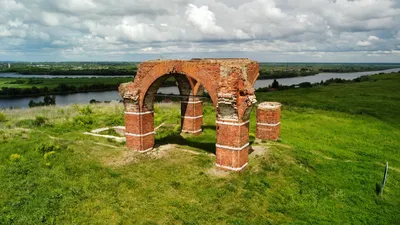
pixel 267 70
pixel 170 88
pixel 287 70
pixel 32 87
pixel 327 166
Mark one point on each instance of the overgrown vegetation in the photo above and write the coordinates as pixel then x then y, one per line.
pixel 335 141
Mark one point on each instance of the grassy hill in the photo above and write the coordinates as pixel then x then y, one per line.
pixel 325 169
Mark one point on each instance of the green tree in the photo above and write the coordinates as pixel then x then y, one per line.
pixel 49 100
pixel 275 84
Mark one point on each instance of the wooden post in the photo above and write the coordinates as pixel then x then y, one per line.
pixel 384 177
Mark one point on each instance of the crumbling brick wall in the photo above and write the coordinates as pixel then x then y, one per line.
pixel 268 121
pixel 229 82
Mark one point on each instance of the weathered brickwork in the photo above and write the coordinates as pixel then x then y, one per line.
pixel 232 145
pixel 229 82
pixel 268 121
pixel 192 116
pixel 139 130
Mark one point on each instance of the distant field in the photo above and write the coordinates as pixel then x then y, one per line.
pixel 379 97
pixel 325 169
pixel 22 87
pixel 267 70
pixel 54 82
pixel 330 66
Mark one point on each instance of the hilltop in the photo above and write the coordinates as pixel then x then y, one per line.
pixel 326 167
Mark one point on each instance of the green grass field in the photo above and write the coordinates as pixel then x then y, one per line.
pixel 325 168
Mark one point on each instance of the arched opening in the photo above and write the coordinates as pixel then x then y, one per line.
pixel 186 119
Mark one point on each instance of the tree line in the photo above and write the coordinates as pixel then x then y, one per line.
pixel 276 86
pixel 60 89
pixel 52 71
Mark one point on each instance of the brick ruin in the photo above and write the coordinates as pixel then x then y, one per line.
pixel 268 121
pixel 229 82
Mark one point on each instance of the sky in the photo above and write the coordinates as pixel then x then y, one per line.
pixel 263 30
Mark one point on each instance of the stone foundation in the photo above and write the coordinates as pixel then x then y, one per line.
pixel 268 121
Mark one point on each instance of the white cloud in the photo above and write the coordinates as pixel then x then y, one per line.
pixel 203 19
pixel 315 30
pixel 4 32
pixel 373 38
pixel 59 42
pixel 363 43
pixel 50 19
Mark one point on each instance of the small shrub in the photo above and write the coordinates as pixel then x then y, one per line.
pixel 116 120
pixel 24 123
pixel 40 121
pixel 175 184
pixel 2 117
pixel 86 110
pixel 47 148
pixel 15 157
pixel 49 155
pixel 82 120
pixel 61 111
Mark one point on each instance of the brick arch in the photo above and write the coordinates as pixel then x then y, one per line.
pixel 229 82
pixel 150 72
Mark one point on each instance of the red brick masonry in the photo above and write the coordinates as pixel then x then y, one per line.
pixel 229 83
pixel 268 121
pixel 139 131
pixel 192 116
pixel 232 145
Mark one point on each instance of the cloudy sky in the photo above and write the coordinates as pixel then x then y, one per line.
pixel 264 30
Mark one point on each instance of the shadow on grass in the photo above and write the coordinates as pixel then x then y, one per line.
pixel 206 141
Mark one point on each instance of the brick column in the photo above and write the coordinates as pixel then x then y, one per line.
pixel 232 146
pixel 192 116
pixel 139 130
pixel 268 121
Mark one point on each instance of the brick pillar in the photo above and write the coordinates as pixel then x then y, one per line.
pixel 268 121
pixel 232 146
pixel 139 130
pixel 192 116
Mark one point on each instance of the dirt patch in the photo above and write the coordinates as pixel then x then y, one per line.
pixel 214 172
pixel 127 157
pixel 257 151
pixel 162 150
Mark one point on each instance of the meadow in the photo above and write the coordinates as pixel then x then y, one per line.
pixel 326 168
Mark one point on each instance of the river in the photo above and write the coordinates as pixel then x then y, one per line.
pixel 114 95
